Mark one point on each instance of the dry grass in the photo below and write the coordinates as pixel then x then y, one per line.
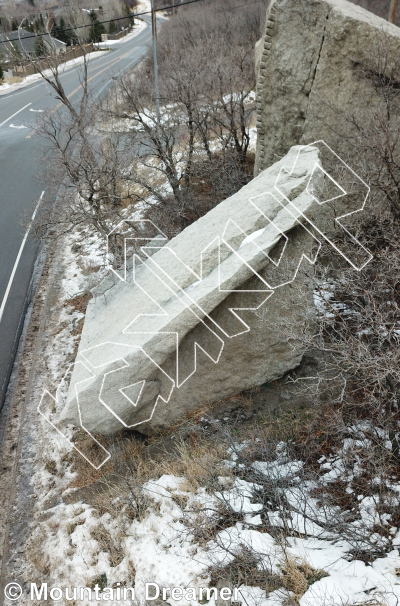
pixel 107 544
pixel 245 570
pixel 196 462
pixel 50 466
pixel 193 459
pixel 72 525
pixel 298 575
pixel 86 474
pixel 13 80
pixel 39 559
pixel 79 302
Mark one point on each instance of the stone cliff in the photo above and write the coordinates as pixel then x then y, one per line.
pixel 313 63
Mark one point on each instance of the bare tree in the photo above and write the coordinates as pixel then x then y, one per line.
pixel 88 173
pixel 109 157
pixel 199 148
pixel 374 135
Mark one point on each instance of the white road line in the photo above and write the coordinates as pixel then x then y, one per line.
pixel 18 112
pixel 21 248
pixel 102 88
pixel 14 93
pixel 119 74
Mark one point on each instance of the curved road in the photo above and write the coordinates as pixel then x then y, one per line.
pixel 19 189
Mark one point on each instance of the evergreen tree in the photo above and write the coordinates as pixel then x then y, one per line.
pixel 130 15
pixel 69 36
pixel 62 35
pixel 96 29
pixel 16 51
pixel 55 30
pixel 40 48
pixel 112 28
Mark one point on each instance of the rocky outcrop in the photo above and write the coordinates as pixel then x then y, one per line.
pixel 313 64
pixel 206 315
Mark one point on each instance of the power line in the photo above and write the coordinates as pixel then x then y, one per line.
pixel 163 8
pixel 72 29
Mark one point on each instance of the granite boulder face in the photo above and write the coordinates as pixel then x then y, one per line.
pixel 200 317
pixel 311 65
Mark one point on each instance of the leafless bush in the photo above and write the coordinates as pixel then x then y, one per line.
pixel 353 434
pixel 373 134
pixel 89 175
pixel 378 7
pixel 199 147
pixel 108 544
pixel 181 165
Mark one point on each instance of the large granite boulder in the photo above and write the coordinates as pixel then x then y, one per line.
pixel 206 315
pixel 315 63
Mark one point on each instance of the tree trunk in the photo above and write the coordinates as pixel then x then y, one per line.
pixel 392 11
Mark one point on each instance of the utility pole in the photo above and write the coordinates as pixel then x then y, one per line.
pixel 154 32
pixel 392 11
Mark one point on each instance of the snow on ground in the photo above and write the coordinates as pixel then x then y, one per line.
pixel 139 28
pixel 253 138
pixel 144 6
pixel 162 550
pixel 324 301
pixel 9 88
pixel 348 582
pixel 82 270
pixel 84 266
pixel 159 545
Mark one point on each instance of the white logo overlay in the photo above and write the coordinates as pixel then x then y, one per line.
pixel 342 189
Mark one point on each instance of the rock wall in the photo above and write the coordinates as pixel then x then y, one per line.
pixel 208 314
pixel 311 59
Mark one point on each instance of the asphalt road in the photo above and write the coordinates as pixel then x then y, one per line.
pixel 20 190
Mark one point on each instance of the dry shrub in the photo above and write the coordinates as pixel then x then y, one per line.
pixel 298 575
pixel 50 466
pixel 194 458
pixel 198 462
pixel 320 435
pixel 245 569
pixel 212 182
pixel 79 302
pixel 39 559
pixel 100 580
pixel 107 544
pixel 121 485
pixel 86 473
pixel 294 578
pixel 249 569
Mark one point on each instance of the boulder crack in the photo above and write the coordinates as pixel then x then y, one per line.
pixel 314 71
